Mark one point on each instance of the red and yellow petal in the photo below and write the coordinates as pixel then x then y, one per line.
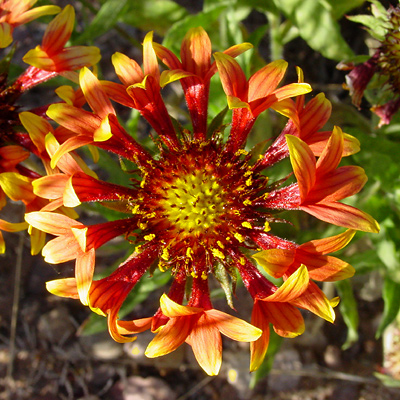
pixel 150 63
pixel 127 70
pixel 329 244
pixel 314 300
pixel 95 94
pixel 196 51
pixel 233 79
pixel 292 288
pixel 275 261
pixel 59 30
pixel 172 309
pixel 303 164
pixel 341 183
pixel 332 154
pixel 342 215
pixel 266 80
pixel 259 348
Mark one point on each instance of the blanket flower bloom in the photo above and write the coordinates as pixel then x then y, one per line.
pixel 18 12
pixel 203 206
pixel 383 65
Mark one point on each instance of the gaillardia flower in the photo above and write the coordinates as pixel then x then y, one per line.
pixel 203 205
pixel 382 67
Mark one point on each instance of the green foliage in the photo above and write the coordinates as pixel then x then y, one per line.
pixel 348 308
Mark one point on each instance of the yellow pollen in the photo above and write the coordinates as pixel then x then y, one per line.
pixel 189 253
pixel 239 237
pixel 247 202
pixel 142 225
pixel 249 182
pixel 165 254
pixel 220 244
pixel 150 237
pixel 267 228
pixel 246 224
pixel 217 253
pixel 204 275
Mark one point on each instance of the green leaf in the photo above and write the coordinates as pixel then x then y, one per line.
pixel 156 15
pixel 391 298
pixel 106 18
pixel 387 380
pixel 341 7
pixel 376 27
pixel 207 20
pixel 317 26
pixel 348 308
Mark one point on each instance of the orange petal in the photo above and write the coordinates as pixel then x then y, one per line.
pixel 315 301
pixel 337 185
pixel 275 261
pixel 326 268
pixel 113 329
pixel 343 215
pixel 35 13
pixel 259 348
pixel 233 327
pixel 76 57
pixel 266 80
pixel 303 164
pixel 95 94
pixel 318 141
pixel 170 337
pixel 169 76
pixel 84 269
pixel 128 70
pixel 63 287
pixel 59 30
pixel 286 319
pixel 233 79
pixel 206 343
pixel 332 154
pixel 51 186
pixel 150 64
pixel 329 244
pixel 61 249
pixel 53 223
pixel 196 51
pixel 12 226
pixel 292 288
pixel 103 132
pixel 172 309
pixel 315 115
pixel 135 326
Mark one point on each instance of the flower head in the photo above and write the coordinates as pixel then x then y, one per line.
pixel 18 12
pixel 201 206
pixel 383 65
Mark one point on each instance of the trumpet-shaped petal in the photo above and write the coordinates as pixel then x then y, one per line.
pixel 51 54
